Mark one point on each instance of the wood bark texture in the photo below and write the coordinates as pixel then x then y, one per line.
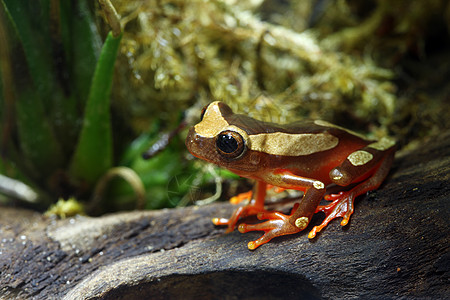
pixel 396 246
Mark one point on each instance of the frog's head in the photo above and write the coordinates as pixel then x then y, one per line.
pixel 219 140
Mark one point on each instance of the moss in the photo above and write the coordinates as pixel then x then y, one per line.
pixel 180 52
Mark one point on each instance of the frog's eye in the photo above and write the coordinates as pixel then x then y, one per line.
pixel 230 144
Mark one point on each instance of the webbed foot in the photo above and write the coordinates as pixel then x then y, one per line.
pixel 241 212
pixel 342 206
pixel 278 224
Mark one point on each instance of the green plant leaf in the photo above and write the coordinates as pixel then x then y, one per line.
pixel 93 154
pixel 35 46
pixel 84 44
pixel 36 139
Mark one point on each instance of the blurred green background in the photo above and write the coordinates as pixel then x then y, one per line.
pixel 80 105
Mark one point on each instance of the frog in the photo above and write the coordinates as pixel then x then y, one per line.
pixel 311 156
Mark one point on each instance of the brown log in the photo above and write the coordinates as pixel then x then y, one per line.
pixel 395 246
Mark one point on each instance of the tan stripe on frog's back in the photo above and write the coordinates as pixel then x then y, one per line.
pixel 383 144
pixel 289 144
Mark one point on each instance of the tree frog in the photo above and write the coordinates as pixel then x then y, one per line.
pixel 309 156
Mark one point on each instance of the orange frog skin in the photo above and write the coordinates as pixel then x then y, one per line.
pixel 308 156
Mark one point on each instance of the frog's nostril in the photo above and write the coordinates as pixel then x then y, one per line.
pixel 199 139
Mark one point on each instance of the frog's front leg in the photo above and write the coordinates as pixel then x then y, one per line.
pixel 255 206
pixel 368 167
pixel 248 195
pixel 279 224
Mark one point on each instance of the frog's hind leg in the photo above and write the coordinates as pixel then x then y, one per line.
pixel 342 205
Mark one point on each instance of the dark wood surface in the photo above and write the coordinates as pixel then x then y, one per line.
pixel 396 246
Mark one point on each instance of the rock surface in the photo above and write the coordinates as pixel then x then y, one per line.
pixel 395 246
